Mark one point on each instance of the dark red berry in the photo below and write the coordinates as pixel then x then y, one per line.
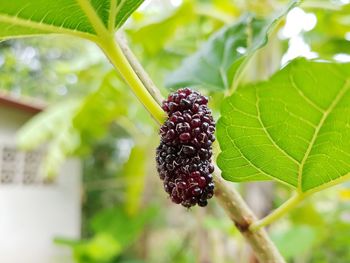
pixel 184 154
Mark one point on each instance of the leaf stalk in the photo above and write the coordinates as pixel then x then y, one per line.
pixel 116 56
pixel 286 207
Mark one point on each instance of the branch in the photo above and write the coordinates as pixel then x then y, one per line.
pixel 241 215
pixel 228 198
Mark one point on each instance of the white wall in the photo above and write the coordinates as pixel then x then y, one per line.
pixel 32 215
pixel 10 121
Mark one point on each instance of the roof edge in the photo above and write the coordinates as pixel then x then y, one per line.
pixel 21 104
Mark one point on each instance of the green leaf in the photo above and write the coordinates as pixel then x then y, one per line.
pixel 294 128
pixel 328 36
pixel 216 63
pixel 126 9
pixel 67 127
pixel 102 248
pixel 156 35
pixel 64 144
pixel 102 107
pixel 295 241
pixel 123 227
pixel 54 126
pixel 82 18
pixel 44 126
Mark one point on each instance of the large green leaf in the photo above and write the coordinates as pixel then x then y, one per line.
pixel 76 17
pixel 215 64
pixel 294 128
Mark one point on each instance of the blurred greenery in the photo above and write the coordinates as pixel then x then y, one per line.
pixel 92 115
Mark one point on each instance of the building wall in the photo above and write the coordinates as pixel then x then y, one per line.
pixel 33 214
pixel 10 121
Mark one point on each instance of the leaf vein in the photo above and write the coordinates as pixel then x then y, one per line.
pixel 325 115
pixel 268 133
pixel 302 94
pixel 252 164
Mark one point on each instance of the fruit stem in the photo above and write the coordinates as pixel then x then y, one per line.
pixel 116 56
pixel 291 203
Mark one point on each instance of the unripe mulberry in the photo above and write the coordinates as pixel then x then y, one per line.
pixel 184 154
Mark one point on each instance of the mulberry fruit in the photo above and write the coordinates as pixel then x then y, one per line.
pixel 184 154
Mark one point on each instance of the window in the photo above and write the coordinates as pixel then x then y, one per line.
pixel 17 167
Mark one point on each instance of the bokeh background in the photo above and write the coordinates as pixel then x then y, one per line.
pixel 123 214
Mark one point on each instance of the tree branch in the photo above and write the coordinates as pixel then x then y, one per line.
pixel 241 215
pixel 227 197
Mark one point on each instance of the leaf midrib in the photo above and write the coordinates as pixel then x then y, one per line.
pixel 94 19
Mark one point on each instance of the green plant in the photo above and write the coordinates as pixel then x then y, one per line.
pixel 292 128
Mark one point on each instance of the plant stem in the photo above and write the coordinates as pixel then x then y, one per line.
pixel 279 212
pixel 239 212
pixel 120 62
pixel 228 197
pixel 139 70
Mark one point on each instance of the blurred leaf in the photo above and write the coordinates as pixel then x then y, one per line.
pixel 335 248
pixel 64 144
pixel 67 126
pixel 293 128
pixel 114 230
pixel 44 126
pixel 294 241
pixel 134 173
pixel 100 108
pixel 307 215
pixel 328 36
pixel 22 18
pixel 53 125
pixel 215 65
pixel 155 35
pixel 101 248
pixel 123 227
pixel 226 6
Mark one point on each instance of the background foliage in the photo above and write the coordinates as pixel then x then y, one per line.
pixel 126 217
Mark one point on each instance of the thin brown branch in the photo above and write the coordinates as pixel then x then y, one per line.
pixel 243 217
